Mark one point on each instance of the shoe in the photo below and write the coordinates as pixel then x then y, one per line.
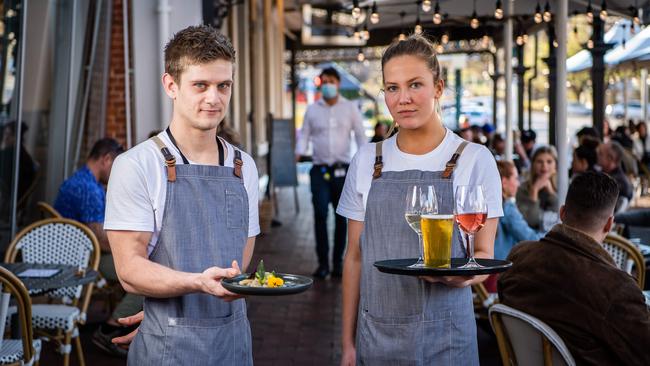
pixel 321 272
pixel 103 341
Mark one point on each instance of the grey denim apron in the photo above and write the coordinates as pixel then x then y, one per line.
pixel 404 320
pixel 205 224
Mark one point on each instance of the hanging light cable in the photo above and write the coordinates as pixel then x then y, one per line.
pixel 374 16
pixel 635 15
pixel 426 6
pixel 547 12
pixel 603 10
pixel 474 23
pixel 498 12
pixel 538 14
pixel 418 26
pixel 590 13
pixel 402 36
pixel 437 17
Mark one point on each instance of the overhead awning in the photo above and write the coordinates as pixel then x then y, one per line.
pixel 617 33
pixel 635 49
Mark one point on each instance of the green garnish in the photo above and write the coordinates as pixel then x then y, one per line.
pixel 261 273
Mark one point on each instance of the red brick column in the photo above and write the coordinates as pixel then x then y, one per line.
pixel 116 108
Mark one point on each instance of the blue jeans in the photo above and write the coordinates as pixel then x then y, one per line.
pixel 326 188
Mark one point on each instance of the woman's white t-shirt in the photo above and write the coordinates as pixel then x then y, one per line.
pixel 137 189
pixel 476 165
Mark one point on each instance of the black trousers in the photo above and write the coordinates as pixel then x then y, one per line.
pixel 326 188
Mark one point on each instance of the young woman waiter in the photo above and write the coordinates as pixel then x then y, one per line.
pixel 402 320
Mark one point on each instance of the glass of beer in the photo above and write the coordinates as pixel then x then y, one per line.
pixel 436 232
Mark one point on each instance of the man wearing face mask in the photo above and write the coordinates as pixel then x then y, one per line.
pixel 328 124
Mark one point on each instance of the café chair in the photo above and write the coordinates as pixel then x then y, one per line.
pixel 59 241
pixel 24 351
pixel 47 210
pixel 626 256
pixel 526 340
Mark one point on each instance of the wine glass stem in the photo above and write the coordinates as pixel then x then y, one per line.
pixel 470 246
pixel 421 247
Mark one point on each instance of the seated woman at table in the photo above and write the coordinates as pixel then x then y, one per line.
pixel 512 227
pixel 585 156
pixel 537 196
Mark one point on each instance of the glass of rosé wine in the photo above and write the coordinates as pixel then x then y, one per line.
pixel 470 213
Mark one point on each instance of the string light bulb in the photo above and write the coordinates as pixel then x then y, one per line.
pixel 440 49
pixel 361 56
pixel 590 44
pixel 418 26
pixel 365 34
pixel 603 10
pixel 426 6
pixel 485 41
pixel 356 10
pixel 402 36
pixel 498 12
pixel 356 34
pixel 437 17
pixel 525 38
pixel 538 14
pixel 374 16
pixel 474 23
pixel 444 38
pixel 547 12
pixel 590 13
pixel 520 40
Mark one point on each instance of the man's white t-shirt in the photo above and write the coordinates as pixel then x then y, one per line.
pixel 476 165
pixel 135 199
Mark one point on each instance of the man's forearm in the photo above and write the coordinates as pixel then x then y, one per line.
pixel 143 277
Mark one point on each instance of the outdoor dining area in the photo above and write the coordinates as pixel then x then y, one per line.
pixel 541 121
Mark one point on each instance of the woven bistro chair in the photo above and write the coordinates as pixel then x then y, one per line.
pixel 626 256
pixel 47 210
pixel 59 241
pixel 526 340
pixel 24 351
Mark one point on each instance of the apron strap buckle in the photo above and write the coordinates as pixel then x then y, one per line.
pixel 451 164
pixel 170 160
pixel 238 163
pixel 379 164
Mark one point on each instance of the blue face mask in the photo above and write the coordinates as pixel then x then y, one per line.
pixel 329 91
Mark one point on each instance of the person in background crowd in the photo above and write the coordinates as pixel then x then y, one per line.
pixel 512 228
pixel 537 196
pixel 488 131
pixel 568 281
pixel 498 146
pixel 380 132
pixel 328 124
pixel 477 135
pixel 528 140
pixel 642 144
pixel 628 160
pixel 609 160
pixel 82 197
pixel 585 156
pixel 587 132
pixel 465 133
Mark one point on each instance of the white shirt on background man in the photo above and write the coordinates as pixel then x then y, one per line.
pixel 328 128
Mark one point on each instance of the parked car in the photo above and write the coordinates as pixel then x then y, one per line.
pixel 578 109
pixel 634 110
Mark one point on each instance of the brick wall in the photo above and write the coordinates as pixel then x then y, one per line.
pixel 116 108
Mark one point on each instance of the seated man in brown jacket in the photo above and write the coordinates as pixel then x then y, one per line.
pixel 570 282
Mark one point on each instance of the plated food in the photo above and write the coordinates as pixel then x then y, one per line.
pixel 263 283
pixel 261 278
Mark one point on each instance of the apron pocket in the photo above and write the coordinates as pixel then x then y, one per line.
pixel 413 340
pixel 215 341
pixel 234 210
